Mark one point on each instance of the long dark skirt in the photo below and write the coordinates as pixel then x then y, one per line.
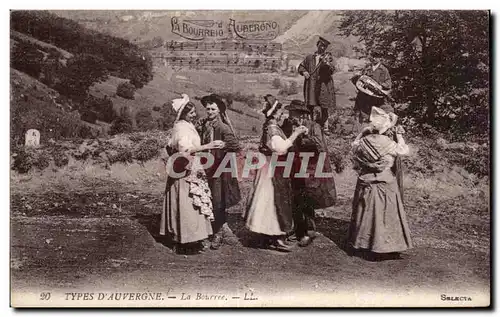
pixel 378 221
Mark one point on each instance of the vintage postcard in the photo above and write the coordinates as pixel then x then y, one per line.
pixel 250 158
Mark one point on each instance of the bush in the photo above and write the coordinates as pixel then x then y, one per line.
pixel 293 88
pixel 157 108
pixel 27 158
pixel 168 116
pixel 89 116
pixel 290 88
pixel 98 109
pixel 86 132
pixel 42 160
pixel 24 160
pixel 147 150
pixel 125 90
pixel 122 154
pixel 276 83
pixel 61 159
pixel 145 121
pixel 123 123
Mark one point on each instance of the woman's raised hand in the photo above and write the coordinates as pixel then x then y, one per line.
pixel 217 144
pixel 301 129
pixel 400 129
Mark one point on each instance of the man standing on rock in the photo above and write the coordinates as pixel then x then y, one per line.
pixel 319 89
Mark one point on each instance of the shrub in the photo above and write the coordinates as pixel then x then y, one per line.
pixel 289 89
pixel 167 117
pixel 144 120
pixel 24 160
pixel 293 88
pixel 122 124
pixel 157 108
pixel 61 160
pixel 86 132
pixel 89 116
pixel 147 150
pixel 102 109
pixel 125 90
pixel 122 154
pixel 42 160
pixel 276 83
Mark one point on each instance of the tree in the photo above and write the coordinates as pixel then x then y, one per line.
pixel 125 90
pixel 439 62
pixel 52 68
pixel 27 58
pixel 81 72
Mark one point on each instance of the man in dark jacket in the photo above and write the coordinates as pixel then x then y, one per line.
pixel 377 71
pixel 224 188
pixel 309 192
pixel 319 89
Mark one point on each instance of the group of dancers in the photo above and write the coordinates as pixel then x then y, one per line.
pixel 280 209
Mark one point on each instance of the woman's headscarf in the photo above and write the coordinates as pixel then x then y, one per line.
pixel 381 120
pixel 179 104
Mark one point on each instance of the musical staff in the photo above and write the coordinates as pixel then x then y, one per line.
pixel 251 56
pixel 262 47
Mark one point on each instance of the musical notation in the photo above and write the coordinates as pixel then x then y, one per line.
pixel 222 61
pixel 261 47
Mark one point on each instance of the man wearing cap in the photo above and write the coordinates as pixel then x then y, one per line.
pixel 309 191
pixel 317 70
pixel 380 74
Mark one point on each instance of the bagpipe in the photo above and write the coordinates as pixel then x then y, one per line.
pixel 370 87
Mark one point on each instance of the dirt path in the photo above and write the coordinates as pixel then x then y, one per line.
pixel 77 242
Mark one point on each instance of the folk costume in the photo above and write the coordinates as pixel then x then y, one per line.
pixel 319 88
pixel 269 211
pixel 311 192
pixel 187 208
pixel 378 223
pixel 364 102
pixel 224 187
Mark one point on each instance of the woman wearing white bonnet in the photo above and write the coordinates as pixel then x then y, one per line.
pixel 379 226
pixel 187 209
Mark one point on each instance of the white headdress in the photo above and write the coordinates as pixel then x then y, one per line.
pixel 381 120
pixel 179 104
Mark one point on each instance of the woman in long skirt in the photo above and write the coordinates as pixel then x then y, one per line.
pixel 187 210
pixel 269 211
pixel 379 226
pixel 224 186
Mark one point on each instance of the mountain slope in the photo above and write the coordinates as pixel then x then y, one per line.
pixel 141 25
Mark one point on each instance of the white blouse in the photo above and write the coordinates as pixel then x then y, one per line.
pixel 279 145
pixel 184 136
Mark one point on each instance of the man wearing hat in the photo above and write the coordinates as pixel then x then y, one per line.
pixel 317 70
pixel 309 192
pixel 377 71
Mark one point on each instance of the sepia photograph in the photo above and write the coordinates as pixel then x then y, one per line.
pixel 250 158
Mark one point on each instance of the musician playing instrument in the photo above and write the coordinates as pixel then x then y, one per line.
pixel 317 70
pixel 378 72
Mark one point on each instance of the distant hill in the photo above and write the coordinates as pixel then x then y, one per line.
pixel 141 25
pixel 299 30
